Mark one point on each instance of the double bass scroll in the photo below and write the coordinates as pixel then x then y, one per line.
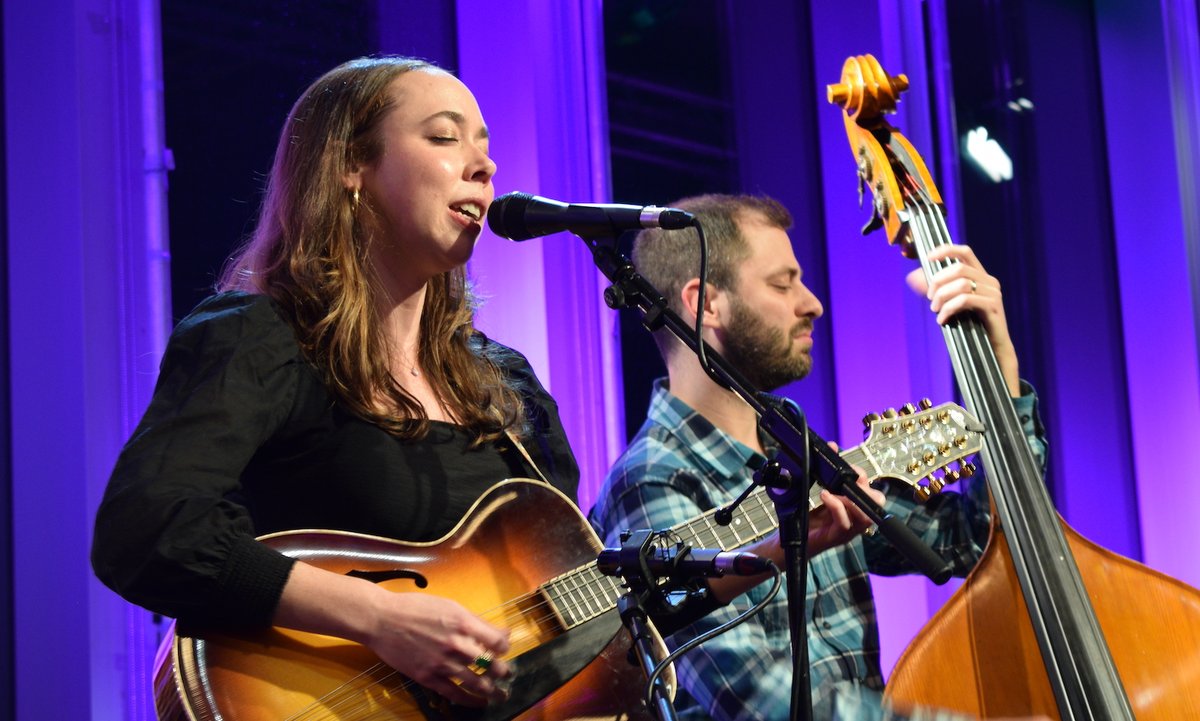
pixel 1048 622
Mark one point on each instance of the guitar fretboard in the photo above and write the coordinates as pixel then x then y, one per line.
pixel 584 593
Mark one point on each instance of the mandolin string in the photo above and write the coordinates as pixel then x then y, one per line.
pixel 580 583
pixel 353 694
pixel 588 594
pixel 353 690
pixel 347 692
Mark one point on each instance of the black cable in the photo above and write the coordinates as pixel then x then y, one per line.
pixel 701 297
pixel 712 633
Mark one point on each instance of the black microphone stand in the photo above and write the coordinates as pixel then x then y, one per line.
pixel 798 448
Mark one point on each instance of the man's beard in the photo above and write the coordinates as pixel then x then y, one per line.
pixel 766 356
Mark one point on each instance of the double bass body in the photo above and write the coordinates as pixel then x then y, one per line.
pixel 979 653
pixel 1048 622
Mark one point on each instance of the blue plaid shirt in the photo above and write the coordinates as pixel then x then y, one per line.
pixel 678 467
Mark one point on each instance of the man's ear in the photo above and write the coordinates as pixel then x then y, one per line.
pixel 714 304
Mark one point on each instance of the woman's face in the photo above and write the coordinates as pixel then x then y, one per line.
pixel 431 187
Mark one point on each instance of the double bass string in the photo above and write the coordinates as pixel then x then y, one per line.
pixel 1059 606
pixel 970 351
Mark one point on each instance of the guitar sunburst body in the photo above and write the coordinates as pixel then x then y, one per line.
pixel 496 562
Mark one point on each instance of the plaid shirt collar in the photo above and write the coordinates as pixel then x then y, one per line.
pixel 713 450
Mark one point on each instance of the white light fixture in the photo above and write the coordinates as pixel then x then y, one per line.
pixel 988 155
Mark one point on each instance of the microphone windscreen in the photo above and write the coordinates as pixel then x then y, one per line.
pixel 506 216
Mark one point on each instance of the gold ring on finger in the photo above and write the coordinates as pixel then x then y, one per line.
pixel 482 663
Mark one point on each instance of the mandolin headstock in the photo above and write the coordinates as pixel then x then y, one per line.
pixel 917 444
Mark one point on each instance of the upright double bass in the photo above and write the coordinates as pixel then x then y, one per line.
pixel 1048 622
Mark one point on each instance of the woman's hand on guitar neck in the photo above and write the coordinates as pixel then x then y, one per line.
pixel 432 640
pixel 965 285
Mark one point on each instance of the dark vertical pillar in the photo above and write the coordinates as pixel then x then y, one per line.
pixel 7 657
pixel 232 70
pixel 1030 77
pixel 775 104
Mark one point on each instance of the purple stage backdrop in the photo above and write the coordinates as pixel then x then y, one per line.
pixel 1116 321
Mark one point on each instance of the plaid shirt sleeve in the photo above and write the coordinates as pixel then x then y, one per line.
pixel 740 675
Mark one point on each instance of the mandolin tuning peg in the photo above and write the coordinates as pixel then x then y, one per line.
pixel 890 413
pixel 907 409
pixel 869 419
pixel 925 404
pixel 922 493
pixel 966 470
pixel 950 476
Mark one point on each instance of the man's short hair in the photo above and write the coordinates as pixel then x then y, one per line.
pixel 669 259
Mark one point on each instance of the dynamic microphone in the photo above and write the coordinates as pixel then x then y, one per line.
pixel 682 563
pixel 521 216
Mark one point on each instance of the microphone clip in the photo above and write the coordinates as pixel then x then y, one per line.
pixel 641 559
pixel 660 560
pixel 640 563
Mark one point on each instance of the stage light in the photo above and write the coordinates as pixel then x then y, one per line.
pixel 988 155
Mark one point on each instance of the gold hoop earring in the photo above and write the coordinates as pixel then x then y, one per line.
pixel 354 200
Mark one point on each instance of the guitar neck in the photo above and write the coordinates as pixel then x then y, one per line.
pixel 585 593
pixel 756 517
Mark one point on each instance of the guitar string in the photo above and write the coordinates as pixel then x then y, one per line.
pixel 355 691
pixel 353 695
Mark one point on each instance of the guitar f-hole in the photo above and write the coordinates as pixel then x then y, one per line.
pixel 381 576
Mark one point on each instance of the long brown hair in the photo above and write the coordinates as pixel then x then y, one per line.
pixel 309 254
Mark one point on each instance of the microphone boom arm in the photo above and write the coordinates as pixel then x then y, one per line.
pixel 630 289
